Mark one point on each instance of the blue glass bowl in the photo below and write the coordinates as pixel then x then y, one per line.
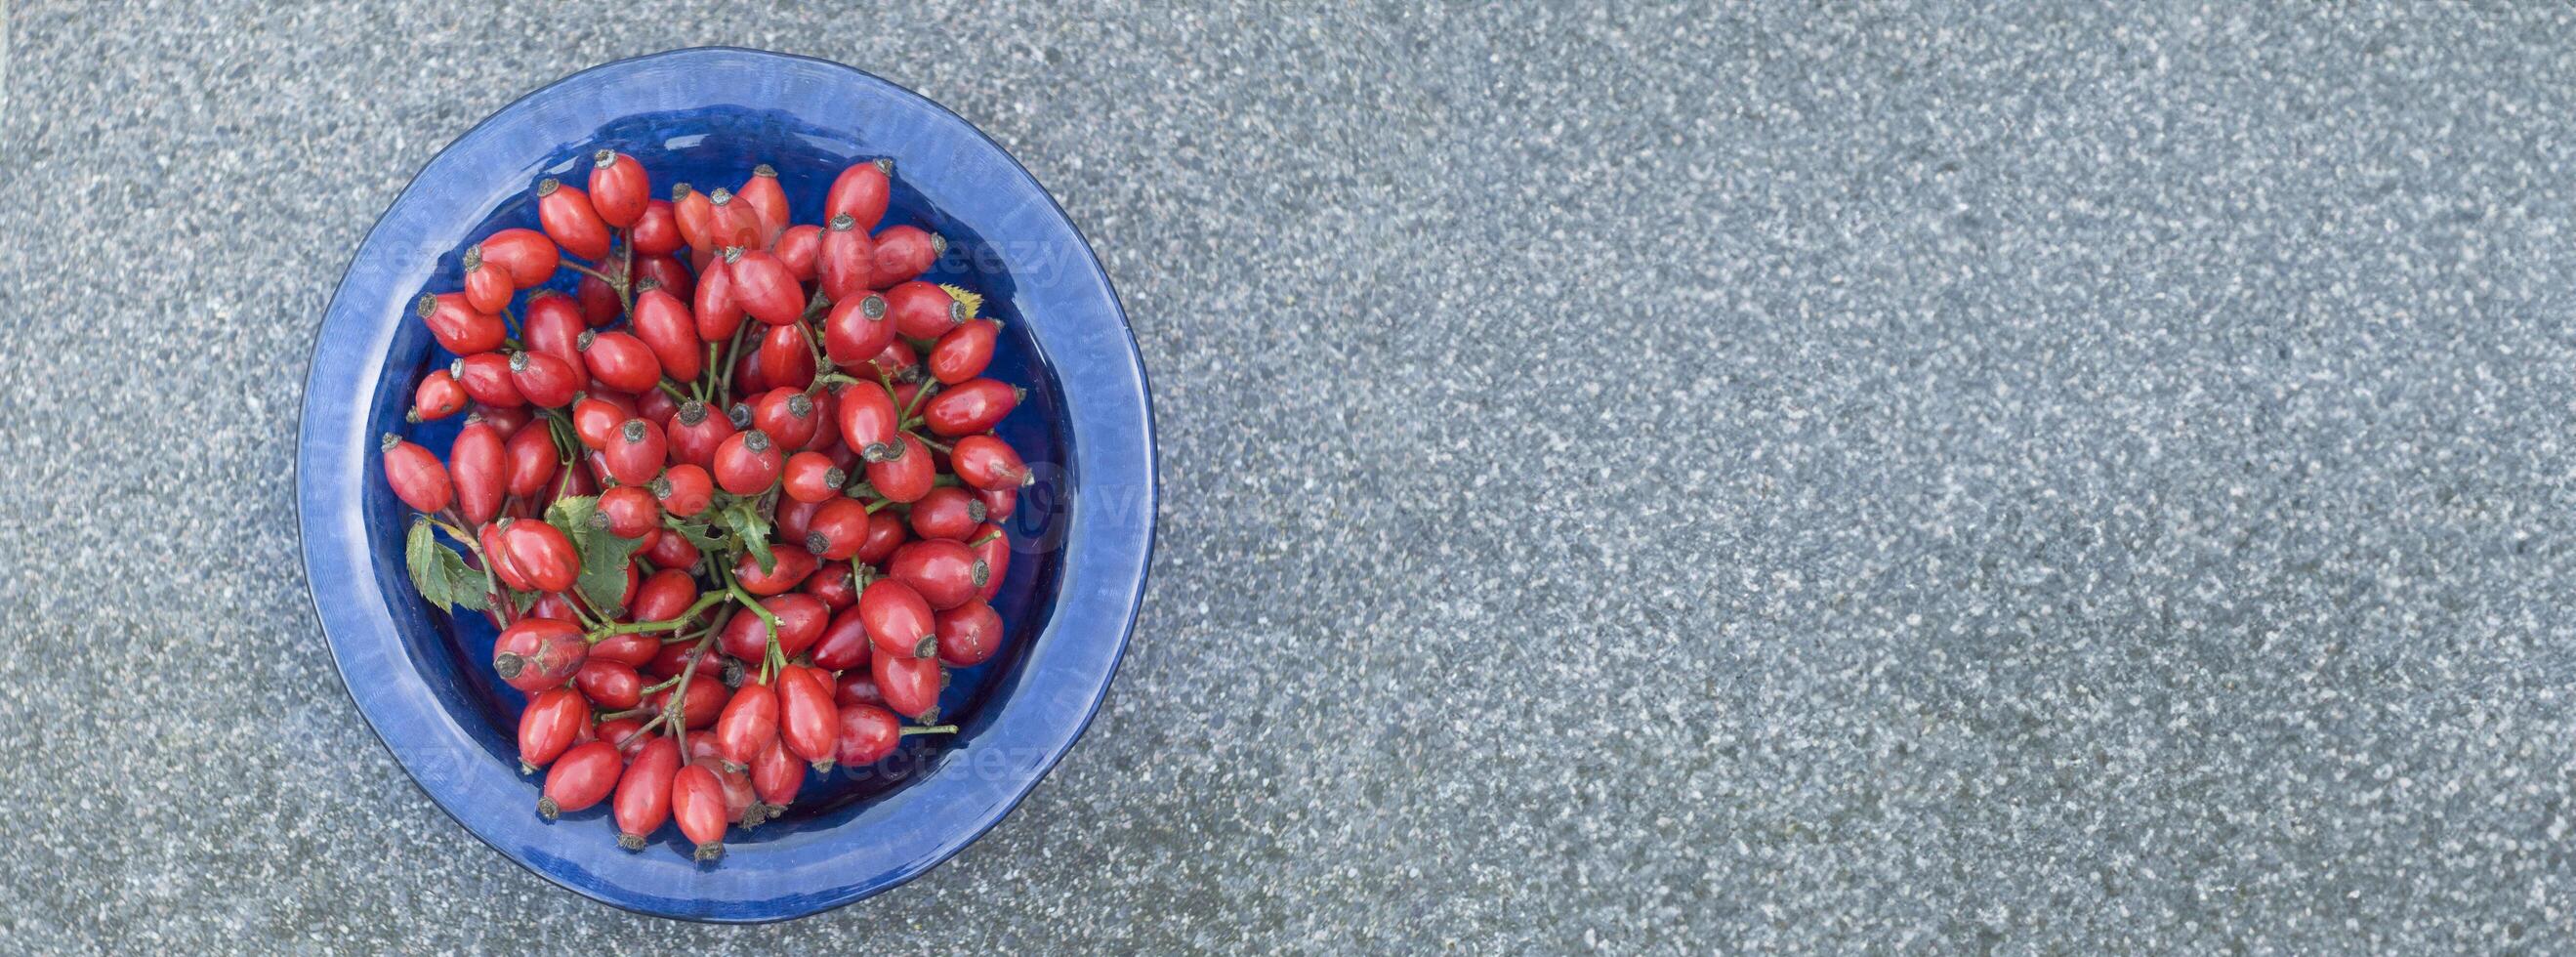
pixel 1081 540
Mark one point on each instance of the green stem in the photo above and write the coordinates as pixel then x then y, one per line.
pixel 725 387
pixel 927 729
pixel 587 271
pixel 626 270
pixel 767 619
pixel 918 396
pixel 642 731
pixel 676 394
pixel 822 363
pixel 589 616
pixel 704 601
pixel 676 711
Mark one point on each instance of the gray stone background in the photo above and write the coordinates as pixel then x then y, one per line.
pixel 1911 477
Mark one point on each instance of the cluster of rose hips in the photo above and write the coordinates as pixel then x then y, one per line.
pixel 734 503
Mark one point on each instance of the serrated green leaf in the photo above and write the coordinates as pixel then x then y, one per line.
pixel 440 574
pixel 464 584
pixel 698 534
pixel 753 531
pixel 603 569
pixel 420 556
pixel 572 515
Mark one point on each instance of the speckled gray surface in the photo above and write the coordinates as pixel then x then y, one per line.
pixel 1920 477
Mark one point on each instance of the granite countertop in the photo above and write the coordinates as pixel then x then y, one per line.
pixel 1921 477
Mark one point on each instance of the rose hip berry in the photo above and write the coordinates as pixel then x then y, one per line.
pixel 437 397
pixel 747 463
pixel 621 361
pixel 697 801
pixel 487 289
pixel 945 572
pixel 480 468
pixel 540 552
pixel 964 352
pixel 910 685
pixel 846 261
pixel 969 634
pixel 458 326
pixel 921 310
pixel 684 490
pixel 902 253
pixel 620 190
pixel 907 475
pixel 972 406
pixel 531 459
pixel 860 192
pixel 548 726
pixel 765 287
pixel 811 477
pixel 644 792
pixel 947 512
pixel 636 453
pixel 898 619
pixel 787 414
pixel 527 255
pixel 570 220
pixel 416 476
pixel 582 777
pixel 544 380
pixel 986 462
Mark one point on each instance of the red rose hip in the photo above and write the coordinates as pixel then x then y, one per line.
pixel 416 476
pixel 643 801
pixel 969 634
pixel 986 462
pixel 747 463
pixel 620 190
pixel 898 620
pixel 539 653
pixel 910 685
pixel 570 220
pixel 584 776
pixel 553 719
pixel 437 397
pixel 860 192
pixel 698 803
pixel 903 252
pixel 458 326
pixel 975 405
pixel 920 310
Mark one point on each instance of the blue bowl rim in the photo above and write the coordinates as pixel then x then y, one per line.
pixel 1132 586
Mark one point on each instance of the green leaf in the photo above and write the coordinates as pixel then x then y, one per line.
pixel 572 515
pixel 698 534
pixel 604 554
pixel 440 573
pixel 603 569
pixel 420 555
pixel 753 531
